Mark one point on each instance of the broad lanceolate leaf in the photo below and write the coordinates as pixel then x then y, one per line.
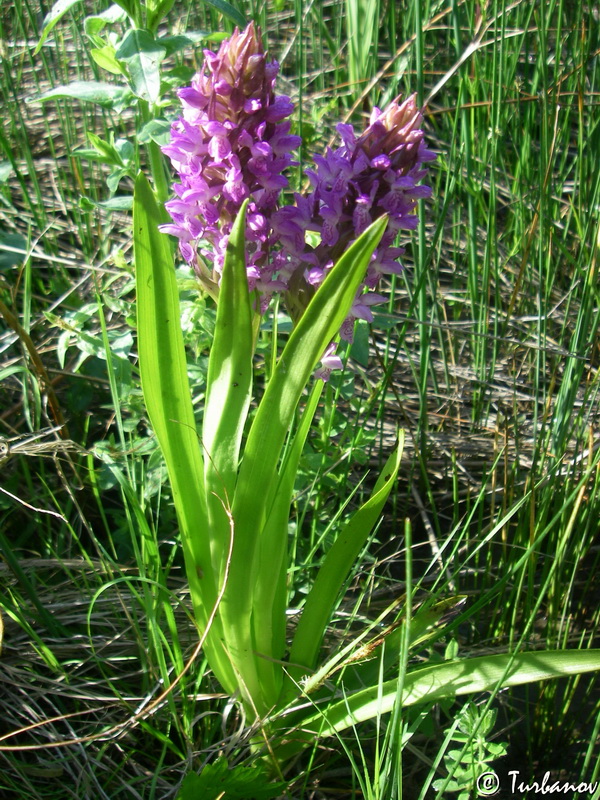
pixel 338 562
pixel 58 10
pixel 122 203
pixel 270 597
pixel 319 324
pixel 167 396
pixel 143 55
pixel 453 678
pixel 228 390
pixel 108 95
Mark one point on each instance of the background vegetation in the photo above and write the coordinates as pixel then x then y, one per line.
pixel 488 356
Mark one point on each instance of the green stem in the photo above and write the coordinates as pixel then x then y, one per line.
pixel 157 161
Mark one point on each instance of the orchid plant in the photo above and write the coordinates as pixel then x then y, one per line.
pixel 230 149
pixel 324 257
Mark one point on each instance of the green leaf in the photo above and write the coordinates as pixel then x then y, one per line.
pixel 6 170
pixel 156 130
pixel 167 396
pixel 174 44
pixel 270 597
pixel 13 248
pixel 228 388
pixel 425 624
pixel 94 24
pixel 106 59
pixel 440 681
pixel 58 10
pixel 258 472
pixel 108 95
pixel 143 55
pixel 337 564
pixel 229 11
pixel 217 781
pixel 92 155
pixel 106 150
pixel 112 181
pixel 359 349
pixel 131 7
pixel 156 11
pixel 123 202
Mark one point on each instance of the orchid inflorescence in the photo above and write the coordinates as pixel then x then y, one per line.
pixel 233 142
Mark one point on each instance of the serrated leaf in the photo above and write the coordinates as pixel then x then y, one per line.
pixel 143 55
pixel 218 781
pixel 108 95
pixel 58 10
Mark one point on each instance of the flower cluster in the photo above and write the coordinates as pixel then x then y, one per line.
pixel 376 173
pixel 232 142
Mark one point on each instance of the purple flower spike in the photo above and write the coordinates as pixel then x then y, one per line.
pixel 232 142
pixel 375 173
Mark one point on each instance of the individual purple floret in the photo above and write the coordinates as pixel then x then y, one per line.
pixel 368 176
pixel 233 142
